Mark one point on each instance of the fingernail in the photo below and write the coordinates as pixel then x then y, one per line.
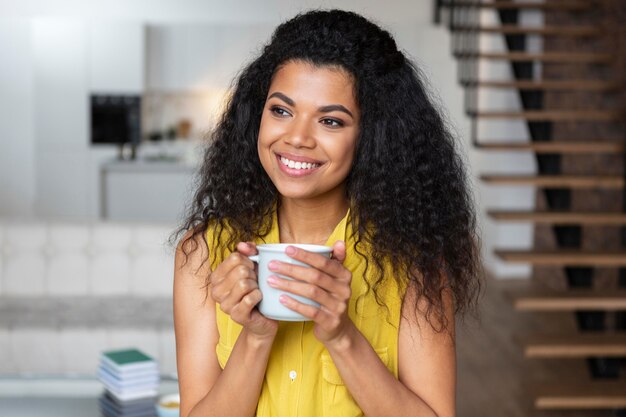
pixel 272 265
pixel 283 299
pixel 290 250
pixel 272 280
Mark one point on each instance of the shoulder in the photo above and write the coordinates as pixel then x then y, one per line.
pixel 204 241
pixel 192 252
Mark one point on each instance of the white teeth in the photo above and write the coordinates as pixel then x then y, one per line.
pixel 297 165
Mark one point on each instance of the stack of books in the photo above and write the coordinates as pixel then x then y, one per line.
pixel 131 379
pixel 112 407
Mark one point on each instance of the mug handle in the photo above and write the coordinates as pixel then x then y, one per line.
pixel 254 258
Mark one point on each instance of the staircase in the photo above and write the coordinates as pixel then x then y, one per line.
pixel 573 97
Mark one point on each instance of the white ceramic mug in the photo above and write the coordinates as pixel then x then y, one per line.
pixel 270 306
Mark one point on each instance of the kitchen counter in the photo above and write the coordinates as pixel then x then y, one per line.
pixel 146 190
pixel 143 165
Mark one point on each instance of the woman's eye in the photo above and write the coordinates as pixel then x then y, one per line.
pixel 279 111
pixel 332 122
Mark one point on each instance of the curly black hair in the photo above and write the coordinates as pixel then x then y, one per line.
pixel 407 188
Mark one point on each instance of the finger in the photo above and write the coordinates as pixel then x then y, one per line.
pixel 247 248
pixel 219 293
pixel 242 288
pixel 312 292
pixel 237 292
pixel 323 263
pixel 318 314
pixel 233 261
pixel 339 251
pixel 241 312
pixel 223 289
pixel 305 273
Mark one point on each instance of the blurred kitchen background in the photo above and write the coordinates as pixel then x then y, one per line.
pixel 83 231
pixel 105 109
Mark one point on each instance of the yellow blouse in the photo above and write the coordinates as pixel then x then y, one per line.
pixel 301 378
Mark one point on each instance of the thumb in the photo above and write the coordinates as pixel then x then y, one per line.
pixel 247 248
pixel 339 251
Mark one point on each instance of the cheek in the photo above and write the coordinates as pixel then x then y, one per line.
pixel 264 138
pixel 347 148
pixel 269 130
pixel 262 129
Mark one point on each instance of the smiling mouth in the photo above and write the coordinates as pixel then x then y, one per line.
pixel 297 164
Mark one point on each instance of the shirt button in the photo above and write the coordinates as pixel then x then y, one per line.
pixel 292 375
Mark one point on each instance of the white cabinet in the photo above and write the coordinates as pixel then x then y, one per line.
pixel 60 82
pixel 71 59
pixel 60 116
pixel 146 191
pixel 116 57
pixel 200 57
pixel 166 56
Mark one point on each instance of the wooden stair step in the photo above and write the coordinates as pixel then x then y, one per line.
pixel 562 257
pixel 555 57
pixel 579 345
pixel 584 85
pixel 552 115
pixel 577 395
pixel 536 299
pixel 581 31
pixel 567 5
pixel 585 147
pixel 557 181
pixel 559 217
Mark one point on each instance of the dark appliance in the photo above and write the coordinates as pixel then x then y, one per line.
pixel 116 119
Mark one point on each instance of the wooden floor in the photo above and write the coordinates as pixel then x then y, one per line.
pixel 494 379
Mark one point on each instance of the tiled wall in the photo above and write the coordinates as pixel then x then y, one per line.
pixel 57 260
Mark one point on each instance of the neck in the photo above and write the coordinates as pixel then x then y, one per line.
pixel 309 222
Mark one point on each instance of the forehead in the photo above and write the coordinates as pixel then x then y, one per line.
pixel 305 81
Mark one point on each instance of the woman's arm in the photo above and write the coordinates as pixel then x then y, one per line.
pixel 427 368
pixel 205 389
pixel 426 359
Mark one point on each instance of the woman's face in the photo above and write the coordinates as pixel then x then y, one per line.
pixel 309 129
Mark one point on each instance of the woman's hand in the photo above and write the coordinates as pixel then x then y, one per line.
pixel 234 285
pixel 327 282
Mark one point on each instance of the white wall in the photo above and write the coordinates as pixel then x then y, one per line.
pixel 250 11
pixel 17 142
pixel 410 21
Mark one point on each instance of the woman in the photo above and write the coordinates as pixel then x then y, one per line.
pixel 329 138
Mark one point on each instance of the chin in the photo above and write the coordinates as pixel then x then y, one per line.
pixel 296 194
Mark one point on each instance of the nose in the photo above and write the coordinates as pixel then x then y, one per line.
pixel 300 134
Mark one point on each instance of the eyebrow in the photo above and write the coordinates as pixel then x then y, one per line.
pixel 323 109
